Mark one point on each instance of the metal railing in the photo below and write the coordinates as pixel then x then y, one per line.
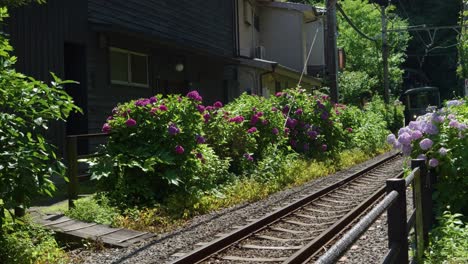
pixel 72 159
pixel 398 227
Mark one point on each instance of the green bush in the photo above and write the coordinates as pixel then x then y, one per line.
pixel 312 123
pixel 28 243
pixel 27 106
pixel 356 87
pixel 243 130
pixel 448 241
pixel 94 209
pixel 156 147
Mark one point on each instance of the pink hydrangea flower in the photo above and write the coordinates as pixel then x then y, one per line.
pixel 218 104
pixel 106 128
pixel 252 130
pixel 163 108
pixel 194 95
pixel 179 149
pixel 130 122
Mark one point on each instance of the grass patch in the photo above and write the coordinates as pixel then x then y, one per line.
pixel 449 241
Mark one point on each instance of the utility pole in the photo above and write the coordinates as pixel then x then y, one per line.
pixel 332 51
pixel 385 55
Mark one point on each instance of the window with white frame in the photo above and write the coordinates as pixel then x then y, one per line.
pixel 128 67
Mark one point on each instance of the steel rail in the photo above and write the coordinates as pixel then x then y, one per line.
pixel 218 245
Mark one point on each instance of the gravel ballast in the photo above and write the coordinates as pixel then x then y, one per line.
pixel 166 247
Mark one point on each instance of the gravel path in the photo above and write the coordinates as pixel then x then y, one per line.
pixel 372 246
pixel 204 228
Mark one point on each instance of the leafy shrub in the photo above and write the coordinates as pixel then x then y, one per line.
pixel 243 130
pixel 356 86
pixel 27 106
pixel 154 149
pixel 448 241
pixel 441 138
pixel 93 209
pixel 370 128
pixel 28 243
pixel 313 125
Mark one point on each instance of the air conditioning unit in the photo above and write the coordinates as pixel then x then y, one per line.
pixel 260 52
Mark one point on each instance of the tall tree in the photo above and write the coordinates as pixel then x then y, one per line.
pixel 433 51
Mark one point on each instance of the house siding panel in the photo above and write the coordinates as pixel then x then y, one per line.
pixel 202 24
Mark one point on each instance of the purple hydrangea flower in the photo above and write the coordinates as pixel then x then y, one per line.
pixel 275 131
pixel 218 104
pixel 286 130
pixel 391 139
pixel 252 130
pixel 142 102
pixel 173 130
pixel 414 125
pixel 237 119
pixel 405 138
pixel 179 149
pixel 274 109
pixel 324 147
pixel 312 134
pixel 462 126
pixel 109 118
pixel 406 149
pixel 200 108
pixel 207 117
pixel 291 123
pixel 298 111
pixel 265 122
pixel 194 95
pixel 425 144
pixel 130 122
pixel 254 120
pixel 115 110
pixel 293 143
pixel 163 108
pixel 433 162
pixel 443 151
pixel 248 157
pixel 403 130
pixel 453 123
pixel 106 128
pixel 199 156
pixel 278 94
pixel 285 110
pixel 454 103
pixel 324 115
pixel 200 139
pixel 153 99
pixel 416 135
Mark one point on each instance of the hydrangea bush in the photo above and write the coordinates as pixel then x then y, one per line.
pixel 243 130
pixel 440 137
pixel 156 148
pixel 312 123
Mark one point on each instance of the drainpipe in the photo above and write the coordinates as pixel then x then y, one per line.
pixel 273 68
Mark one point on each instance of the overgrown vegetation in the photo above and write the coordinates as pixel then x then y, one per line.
pixel 440 137
pixel 218 156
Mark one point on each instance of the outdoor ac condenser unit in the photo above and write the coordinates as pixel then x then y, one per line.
pixel 260 52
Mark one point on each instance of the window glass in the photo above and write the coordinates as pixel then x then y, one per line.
pixel 139 69
pixel 119 66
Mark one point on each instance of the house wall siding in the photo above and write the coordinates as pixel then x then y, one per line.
pixel 202 24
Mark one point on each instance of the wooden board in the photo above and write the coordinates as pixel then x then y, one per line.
pixel 116 237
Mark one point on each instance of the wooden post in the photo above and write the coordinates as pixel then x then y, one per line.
pixel 418 197
pixel 426 188
pixel 332 51
pixel 72 171
pixel 396 213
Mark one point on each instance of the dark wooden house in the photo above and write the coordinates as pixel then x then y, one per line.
pixel 125 49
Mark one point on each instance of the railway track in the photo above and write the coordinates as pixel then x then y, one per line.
pixel 296 232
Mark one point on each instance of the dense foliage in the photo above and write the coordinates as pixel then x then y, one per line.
pixel 449 241
pixel 27 160
pixel 173 150
pixel 440 137
pixel 26 242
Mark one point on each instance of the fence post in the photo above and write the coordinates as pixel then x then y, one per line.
pixel 72 171
pixel 418 195
pixel 426 196
pixel 396 213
